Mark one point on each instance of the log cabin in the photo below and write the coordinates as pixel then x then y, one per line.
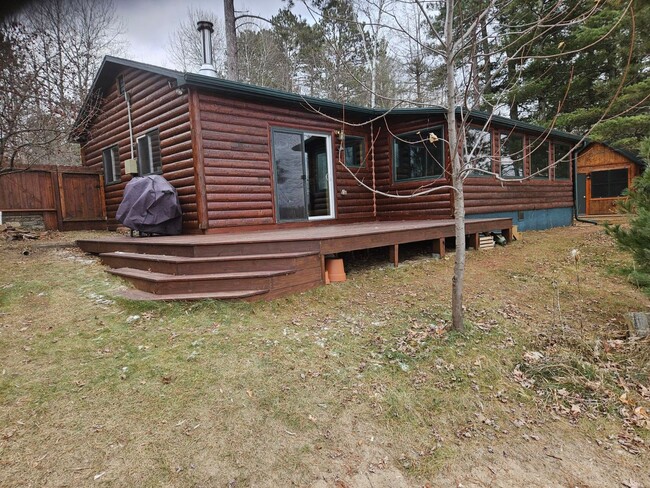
pixel 281 180
pixel 604 173
pixel 243 156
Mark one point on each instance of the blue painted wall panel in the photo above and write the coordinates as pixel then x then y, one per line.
pixel 534 219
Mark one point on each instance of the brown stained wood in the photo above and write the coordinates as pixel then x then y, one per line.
pixel 278 260
pixel 599 157
pixel 439 247
pixel 237 146
pixel 58 198
pixel 57 193
pixel 474 240
pixel 154 104
pixel 393 254
pixel 61 205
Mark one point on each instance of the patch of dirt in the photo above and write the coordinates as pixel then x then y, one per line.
pixel 557 454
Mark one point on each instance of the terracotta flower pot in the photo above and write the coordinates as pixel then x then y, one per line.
pixel 334 270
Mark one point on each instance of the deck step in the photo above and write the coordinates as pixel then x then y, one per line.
pixel 180 265
pixel 167 284
pixel 164 277
pixel 198 248
pixel 205 259
pixel 219 295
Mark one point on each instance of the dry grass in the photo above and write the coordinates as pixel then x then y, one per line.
pixel 361 378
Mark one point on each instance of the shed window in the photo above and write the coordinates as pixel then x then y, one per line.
pixel 149 153
pixel 111 157
pixel 355 151
pixel 512 155
pixel 608 184
pixel 563 167
pixel 539 160
pixel 477 152
pixel 415 157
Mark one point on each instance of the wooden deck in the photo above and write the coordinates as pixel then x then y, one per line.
pixel 261 264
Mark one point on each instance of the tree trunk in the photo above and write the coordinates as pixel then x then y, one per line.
pixel 232 61
pixel 456 177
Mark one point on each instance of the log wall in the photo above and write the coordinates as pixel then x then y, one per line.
pixel 154 104
pixel 436 204
pixel 482 194
pixel 485 194
pixel 237 152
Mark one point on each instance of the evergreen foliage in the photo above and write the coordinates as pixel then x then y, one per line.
pixel 636 237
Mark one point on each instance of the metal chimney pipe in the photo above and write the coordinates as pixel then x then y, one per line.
pixel 206 29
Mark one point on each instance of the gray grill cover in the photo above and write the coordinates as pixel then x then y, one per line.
pixel 150 205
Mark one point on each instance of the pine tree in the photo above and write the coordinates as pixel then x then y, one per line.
pixel 636 237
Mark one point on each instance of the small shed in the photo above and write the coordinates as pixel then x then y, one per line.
pixel 604 172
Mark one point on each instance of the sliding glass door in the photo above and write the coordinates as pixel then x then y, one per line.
pixel 302 165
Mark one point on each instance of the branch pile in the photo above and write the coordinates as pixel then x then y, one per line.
pixel 14 232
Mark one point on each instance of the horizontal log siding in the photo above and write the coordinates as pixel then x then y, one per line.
pixel 486 194
pixel 482 195
pixel 435 205
pixel 238 167
pixel 153 105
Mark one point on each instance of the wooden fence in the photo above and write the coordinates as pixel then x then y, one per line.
pixel 55 197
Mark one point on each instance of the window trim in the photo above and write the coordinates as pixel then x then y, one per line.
pixel 509 134
pixel 443 164
pixel 331 172
pixel 492 158
pixel 362 154
pixel 137 143
pixel 115 163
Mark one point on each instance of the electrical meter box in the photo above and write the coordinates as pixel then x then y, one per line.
pixel 131 166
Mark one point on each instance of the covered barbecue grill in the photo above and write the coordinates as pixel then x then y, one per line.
pixel 150 205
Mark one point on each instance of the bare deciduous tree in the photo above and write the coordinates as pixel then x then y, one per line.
pixel 184 47
pixel 50 54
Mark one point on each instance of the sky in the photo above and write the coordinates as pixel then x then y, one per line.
pixel 149 23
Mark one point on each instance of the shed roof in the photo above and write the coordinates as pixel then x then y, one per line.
pixel 112 65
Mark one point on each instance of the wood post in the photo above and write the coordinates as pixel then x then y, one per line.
pixel 393 254
pixel 322 268
pixel 439 247
pixel 475 240
pixel 197 156
pixel 507 233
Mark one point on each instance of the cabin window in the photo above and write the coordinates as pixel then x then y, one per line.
pixel 512 155
pixel 354 151
pixel 608 184
pixel 477 152
pixel 149 153
pixel 539 160
pixel 120 85
pixel 111 157
pixel 415 156
pixel 563 167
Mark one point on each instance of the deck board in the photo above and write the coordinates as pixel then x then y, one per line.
pixel 444 227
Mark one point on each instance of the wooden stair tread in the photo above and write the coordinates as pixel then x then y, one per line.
pixel 164 277
pixel 217 295
pixel 185 259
